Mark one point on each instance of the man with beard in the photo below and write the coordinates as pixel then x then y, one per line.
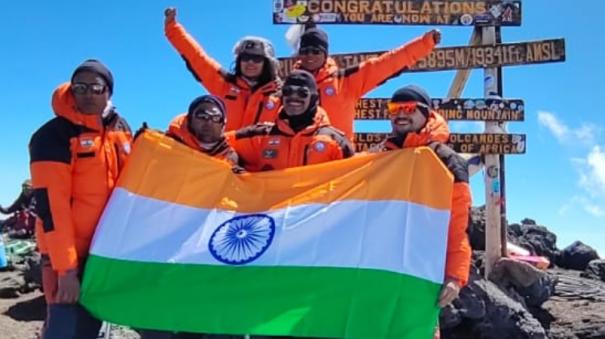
pixel 300 136
pixel 203 128
pixel 415 124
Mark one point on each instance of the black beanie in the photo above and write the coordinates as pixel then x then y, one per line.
pixel 97 67
pixel 314 37
pixel 208 98
pixel 301 77
pixel 412 93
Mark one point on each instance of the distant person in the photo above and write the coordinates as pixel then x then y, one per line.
pixel 75 161
pixel 23 218
pixel 247 90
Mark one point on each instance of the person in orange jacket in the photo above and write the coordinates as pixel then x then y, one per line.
pixel 75 160
pixel 341 88
pixel 202 128
pixel 415 124
pixel 248 90
pixel 301 135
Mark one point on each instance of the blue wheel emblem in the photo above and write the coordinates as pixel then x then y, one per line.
pixel 242 239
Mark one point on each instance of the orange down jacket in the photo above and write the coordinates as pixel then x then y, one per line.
pixel 245 105
pixel 179 131
pixel 75 161
pixel 434 135
pixel 340 89
pixel 274 146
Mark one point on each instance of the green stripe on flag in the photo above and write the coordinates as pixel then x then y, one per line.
pixel 301 301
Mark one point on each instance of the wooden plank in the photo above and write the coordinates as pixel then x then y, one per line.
pixel 484 143
pixel 462 75
pixel 451 109
pixel 464 57
pixel 399 12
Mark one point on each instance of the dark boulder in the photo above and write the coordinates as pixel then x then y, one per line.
pixel 577 256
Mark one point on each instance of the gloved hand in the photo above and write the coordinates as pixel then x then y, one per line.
pixel 141 129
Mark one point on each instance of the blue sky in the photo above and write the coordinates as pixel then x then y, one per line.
pixel 559 182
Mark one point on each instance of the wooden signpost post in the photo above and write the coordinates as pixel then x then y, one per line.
pixel 485 51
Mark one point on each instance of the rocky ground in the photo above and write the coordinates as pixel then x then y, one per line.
pixel 518 301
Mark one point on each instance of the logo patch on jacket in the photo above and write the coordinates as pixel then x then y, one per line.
pixel 270 105
pixel 319 146
pixel 274 142
pixel 270 153
pixel 87 143
pixel 330 91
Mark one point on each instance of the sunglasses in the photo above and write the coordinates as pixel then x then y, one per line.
pixel 206 116
pixel 409 107
pixel 301 92
pixel 257 59
pixel 310 50
pixel 82 88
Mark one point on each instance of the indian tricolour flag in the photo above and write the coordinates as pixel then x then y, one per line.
pixel 346 249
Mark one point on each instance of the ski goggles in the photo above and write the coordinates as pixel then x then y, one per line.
pixel 310 50
pixel 301 92
pixel 408 107
pixel 83 88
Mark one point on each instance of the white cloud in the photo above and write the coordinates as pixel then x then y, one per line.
pixel 551 122
pixel 595 210
pixel 591 171
pixel 595 177
pixel 565 134
pixel 584 203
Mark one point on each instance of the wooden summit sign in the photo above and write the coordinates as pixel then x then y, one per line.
pixel 464 57
pixel 487 143
pixel 399 12
pixel 451 109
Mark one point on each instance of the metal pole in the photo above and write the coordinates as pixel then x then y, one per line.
pixel 503 220
pixel 493 241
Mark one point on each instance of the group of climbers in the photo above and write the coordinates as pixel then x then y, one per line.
pixel 252 119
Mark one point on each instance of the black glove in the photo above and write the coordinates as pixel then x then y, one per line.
pixel 141 129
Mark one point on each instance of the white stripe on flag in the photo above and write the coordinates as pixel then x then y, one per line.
pixel 390 235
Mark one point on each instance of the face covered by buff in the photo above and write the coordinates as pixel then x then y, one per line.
pixel 299 93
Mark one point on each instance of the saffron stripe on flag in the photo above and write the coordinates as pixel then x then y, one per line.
pixel 424 177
